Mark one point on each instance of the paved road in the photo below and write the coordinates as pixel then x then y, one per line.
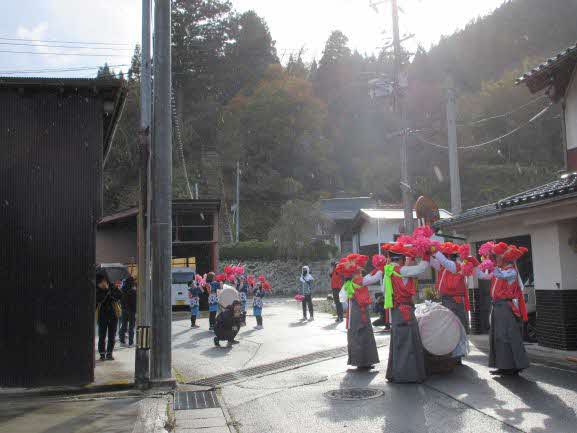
pixel 284 336
pixel 469 400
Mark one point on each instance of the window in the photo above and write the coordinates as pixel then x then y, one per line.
pixel 182 277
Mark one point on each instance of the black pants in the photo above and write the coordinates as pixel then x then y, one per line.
pixel 258 320
pixel 106 327
pixel 338 304
pixel 308 300
pixel 127 323
pixel 223 334
pixel 212 318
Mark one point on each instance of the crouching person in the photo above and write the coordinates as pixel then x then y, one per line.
pixel 228 324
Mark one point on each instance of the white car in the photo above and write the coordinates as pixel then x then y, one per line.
pixel 180 279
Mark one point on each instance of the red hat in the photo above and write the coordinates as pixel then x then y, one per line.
pixel 449 248
pixel 464 251
pixel 513 253
pixel 500 248
pixel 471 259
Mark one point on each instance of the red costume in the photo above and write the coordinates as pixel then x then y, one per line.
pixel 403 293
pixel 501 289
pixel 454 285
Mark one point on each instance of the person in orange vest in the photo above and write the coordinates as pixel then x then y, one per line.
pixel 406 356
pixel 336 285
pixel 361 344
pixel 506 351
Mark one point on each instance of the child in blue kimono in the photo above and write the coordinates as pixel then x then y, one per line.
pixel 257 305
pixel 242 287
pixel 213 287
pixel 194 292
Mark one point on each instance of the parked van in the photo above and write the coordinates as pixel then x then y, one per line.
pixel 180 279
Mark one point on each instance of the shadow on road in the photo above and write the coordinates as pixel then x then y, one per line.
pixel 217 352
pixel 558 415
pixel 297 324
pixel 331 326
pixel 194 339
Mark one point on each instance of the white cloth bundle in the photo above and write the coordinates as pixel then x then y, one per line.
pixel 441 331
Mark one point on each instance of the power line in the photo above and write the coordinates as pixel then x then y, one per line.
pixel 65 42
pixel 177 134
pixel 62 54
pixel 485 143
pixel 71 69
pixel 65 46
pixel 508 113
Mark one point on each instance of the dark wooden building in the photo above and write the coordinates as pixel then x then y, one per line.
pixel 54 136
pixel 194 235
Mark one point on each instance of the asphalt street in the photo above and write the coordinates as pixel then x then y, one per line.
pixel 543 399
pixel 289 368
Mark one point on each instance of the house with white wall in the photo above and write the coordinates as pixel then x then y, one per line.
pixel 372 227
pixel 543 219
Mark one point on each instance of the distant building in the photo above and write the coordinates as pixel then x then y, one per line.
pixel 341 212
pixel 372 227
pixel 543 219
pixel 55 135
pixel 194 235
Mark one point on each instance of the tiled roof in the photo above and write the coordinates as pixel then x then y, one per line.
pixel 345 208
pixel 570 52
pixel 469 214
pixel 566 185
pixel 562 188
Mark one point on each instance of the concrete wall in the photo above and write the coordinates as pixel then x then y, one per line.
pixel 284 274
pixel 370 230
pixel 571 114
pixel 568 230
pixel 546 257
pixel 116 244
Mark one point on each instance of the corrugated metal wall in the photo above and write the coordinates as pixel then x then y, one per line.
pixel 50 175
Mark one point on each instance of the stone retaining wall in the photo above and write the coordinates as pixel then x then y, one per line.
pixel 284 274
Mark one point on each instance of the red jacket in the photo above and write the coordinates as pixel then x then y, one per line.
pixel 403 294
pixel 455 285
pixel 336 280
pixel 501 289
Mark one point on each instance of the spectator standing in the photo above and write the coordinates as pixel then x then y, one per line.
pixel 306 290
pixel 213 287
pixel 128 318
pixel 108 310
pixel 336 286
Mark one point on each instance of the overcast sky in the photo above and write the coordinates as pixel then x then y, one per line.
pixel 294 24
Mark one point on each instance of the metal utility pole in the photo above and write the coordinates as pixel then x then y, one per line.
pixel 401 110
pixel 453 155
pixel 161 200
pixel 142 358
pixel 237 211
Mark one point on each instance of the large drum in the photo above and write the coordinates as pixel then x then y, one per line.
pixel 441 331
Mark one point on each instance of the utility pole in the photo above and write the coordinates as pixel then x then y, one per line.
pixel 237 211
pixel 161 200
pixel 453 155
pixel 402 112
pixel 142 357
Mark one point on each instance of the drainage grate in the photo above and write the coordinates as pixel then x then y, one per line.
pixel 185 400
pixel 267 368
pixel 274 366
pixel 354 394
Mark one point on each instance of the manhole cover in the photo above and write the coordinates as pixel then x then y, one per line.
pixel 354 394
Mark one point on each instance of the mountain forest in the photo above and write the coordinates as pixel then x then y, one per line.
pixel 305 130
